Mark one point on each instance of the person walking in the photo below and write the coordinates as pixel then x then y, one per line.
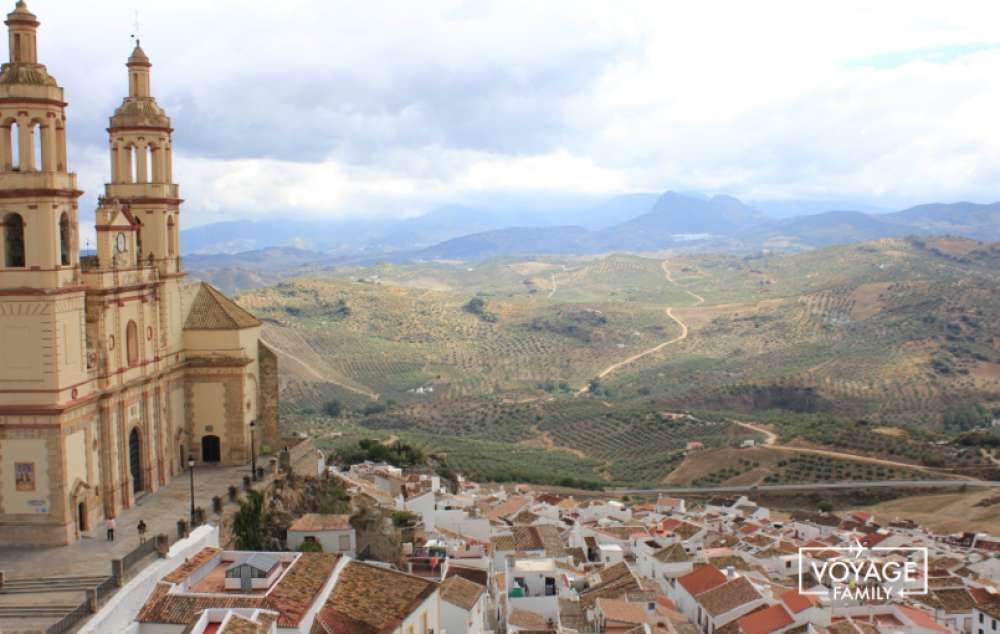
pixel 110 525
pixel 141 527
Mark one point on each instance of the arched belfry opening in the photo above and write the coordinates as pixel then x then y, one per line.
pixel 65 240
pixel 13 240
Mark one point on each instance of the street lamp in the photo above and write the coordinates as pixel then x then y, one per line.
pixel 253 454
pixel 191 469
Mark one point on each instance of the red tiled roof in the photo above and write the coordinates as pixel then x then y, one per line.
pixel 292 595
pixel 191 564
pixel 372 598
pixel 321 522
pixel 729 596
pixel 622 611
pixel 873 539
pixel 922 619
pixel 765 621
pixel 461 592
pixel 797 602
pixel 702 579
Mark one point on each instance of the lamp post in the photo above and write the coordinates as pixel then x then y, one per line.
pixel 253 453
pixel 191 469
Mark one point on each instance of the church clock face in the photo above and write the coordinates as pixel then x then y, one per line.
pixel 120 242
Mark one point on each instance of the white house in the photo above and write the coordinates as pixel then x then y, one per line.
pixel 464 605
pixel 333 533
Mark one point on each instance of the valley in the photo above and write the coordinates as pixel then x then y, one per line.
pixel 571 369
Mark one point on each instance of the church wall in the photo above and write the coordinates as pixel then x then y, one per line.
pixel 25 336
pixel 180 424
pixel 29 491
pixel 207 411
pixel 213 342
pixel 76 457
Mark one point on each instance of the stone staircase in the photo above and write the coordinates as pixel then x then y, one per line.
pixel 50 584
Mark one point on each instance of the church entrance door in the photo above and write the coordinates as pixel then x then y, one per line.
pixel 211 449
pixel 81 517
pixel 134 457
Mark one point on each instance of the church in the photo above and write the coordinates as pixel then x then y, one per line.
pixel 114 372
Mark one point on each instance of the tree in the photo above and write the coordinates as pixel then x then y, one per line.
pixel 249 524
pixel 310 546
pixel 332 408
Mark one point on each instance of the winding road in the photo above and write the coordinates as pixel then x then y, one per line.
pixel 670 313
pixel 771 440
pixel 818 486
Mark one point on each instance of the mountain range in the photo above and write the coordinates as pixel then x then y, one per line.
pixel 561 226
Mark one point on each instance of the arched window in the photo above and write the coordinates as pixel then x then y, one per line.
pixel 36 147
pixel 171 241
pixel 65 238
pixel 132 164
pixel 15 145
pixel 150 172
pixel 13 240
pixel 132 343
pixel 138 242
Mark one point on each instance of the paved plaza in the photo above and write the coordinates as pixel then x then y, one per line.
pixel 92 555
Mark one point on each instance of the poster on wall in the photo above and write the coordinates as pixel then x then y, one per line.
pixel 24 476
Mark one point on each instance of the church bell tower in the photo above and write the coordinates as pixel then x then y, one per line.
pixel 142 182
pixel 42 356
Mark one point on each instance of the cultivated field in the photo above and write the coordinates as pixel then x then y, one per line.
pixel 579 358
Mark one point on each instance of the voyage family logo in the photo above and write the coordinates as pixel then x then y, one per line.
pixel 862 573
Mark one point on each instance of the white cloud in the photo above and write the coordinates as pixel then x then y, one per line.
pixel 341 108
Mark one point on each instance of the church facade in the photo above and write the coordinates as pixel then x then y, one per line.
pixel 114 372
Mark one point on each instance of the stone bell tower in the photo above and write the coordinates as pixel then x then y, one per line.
pixel 46 381
pixel 41 293
pixel 142 182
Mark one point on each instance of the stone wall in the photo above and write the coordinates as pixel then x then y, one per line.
pixel 267 400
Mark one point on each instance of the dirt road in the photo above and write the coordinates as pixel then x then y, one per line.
pixel 681 337
pixel 771 440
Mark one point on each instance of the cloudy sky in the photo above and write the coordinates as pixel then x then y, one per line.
pixel 330 108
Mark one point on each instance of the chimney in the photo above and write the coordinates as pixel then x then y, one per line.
pixel 730 572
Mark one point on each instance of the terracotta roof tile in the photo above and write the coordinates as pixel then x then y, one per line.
pixel 191 564
pixel 765 621
pixel 209 309
pixel 528 620
pixel 508 507
pixel 613 582
pixel 373 599
pixel 321 522
pixel 702 579
pixel 461 592
pixel 728 596
pixel 797 602
pixel 622 611
pixel 292 595
pixel 674 553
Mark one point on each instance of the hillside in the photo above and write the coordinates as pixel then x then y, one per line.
pixel 894 331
